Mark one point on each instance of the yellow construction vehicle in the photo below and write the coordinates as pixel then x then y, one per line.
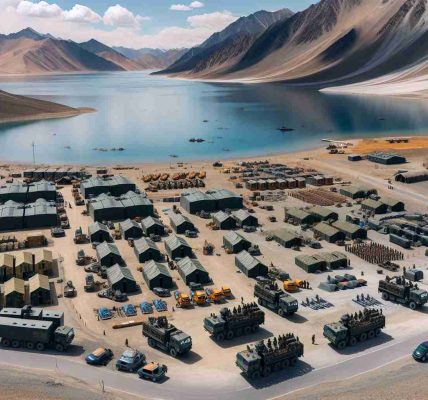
pixel 182 299
pixel 198 297
pixel 291 285
pixel 226 292
pixel 214 295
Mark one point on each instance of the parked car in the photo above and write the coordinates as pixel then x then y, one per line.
pixel 57 232
pixel 130 360
pixel 421 352
pixel 100 356
pixel 161 292
pixel 152 371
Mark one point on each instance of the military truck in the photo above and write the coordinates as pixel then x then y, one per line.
pixel 166 336
pixel 46 329
pixel 240 321
pixel 270 296
pixel 262 359
pixel 402 291
pixel 354 328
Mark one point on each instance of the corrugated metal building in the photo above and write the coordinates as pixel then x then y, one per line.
pixel 327 232
pixel 106 208
pixel 353 192
pixel 41 190
pixel 244 218
pixel 131 229
pixel 392 204
pixel 11 216
pixel 374 206
pixel 177 247
pixel 14 293
pixel 286 238
pixel 351 231
pixel 121 278
pixel 39 290
pixel 192 271
pixel 152 226
pixel 146 250
pixel 412 177
pixel 136 205
pixel 235 243
pixel 99 233
pixel 108 254
pixel 7 266
pixel 323 213
pixel 311 264
pixel 197 201
pixel 334 260
pixel 386 158
pixel 223 220
pixel 157 275
pixel 40 214
pixel 180 224
pixel 16 192
pixel 299 216
pixel 115 185
pixel 225 199
pixel 250 265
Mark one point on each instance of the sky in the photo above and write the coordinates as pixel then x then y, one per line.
pixel 133 23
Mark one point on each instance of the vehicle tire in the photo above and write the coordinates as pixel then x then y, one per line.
pixel 280 312
pixel 266 371
pixel 424 359
pixel 219 337
pixel 255 375
pixel 5 342
pixel 173 352
pixel 16 344
pixel 363 337
pixel 385 296
pixel 59 347
pixel 371 334
pixel 353 341
pixel 341 345
pixel 255 328
pixel 229 335
pixel 40 346
pixel 30 345
pixel 293 361
pixel 247 330
pixel 151 343
pixel 378 332
pixel 285 364
pixel 413 305
pixel 154 379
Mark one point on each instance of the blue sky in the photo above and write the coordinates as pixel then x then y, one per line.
pixel 133 23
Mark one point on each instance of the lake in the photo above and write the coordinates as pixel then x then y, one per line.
pixel 153 117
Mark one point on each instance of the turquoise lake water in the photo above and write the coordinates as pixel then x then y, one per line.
pixel 154 117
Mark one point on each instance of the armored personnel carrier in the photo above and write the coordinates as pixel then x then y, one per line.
pixel 237 322
pixel 270 296
pixel 402 291
pixel 166 336
pixel 275 355
pixel 354 328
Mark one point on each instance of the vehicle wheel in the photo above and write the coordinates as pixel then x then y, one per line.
pixel 259 302
pixel 229 335
pixel 255 328
pixel 424 358
pixel 15 344
pixel 341 345
pixel 219 337
pixel 385 296
pixel 173 352
pixel 154 379
pixel 293 361
pixel 247 330
pixel 371 335
pixel 285 364
pixel 363 337
pixel 255 375
pixel 40 346
pixel 412 305
pixel 378 331
pixel 59 347
pixel 281 312
pixel 266 371
pixel 353 341
pixel 30 345
pixel 151 342
pixel 5 342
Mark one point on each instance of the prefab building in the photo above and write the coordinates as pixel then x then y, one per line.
pixel 223 221
pixel 291 183
pixel 251 185
pixel 374 206
pixel 39 290
pixel 299 216
pixel 99 233
pixel 225 199
pixel 152 226
pixel 244 218
pixel 353 192
pixel 7 266
pixel 197 201
pixel 334 260
pixel 136 205
pixel 40 214
pixel 157 275
pixel 121 278
pixel 192 271
pixel 177 247
pixel 146 250
pixel 250 265
pixel 301 182
pixel 108 254
pixel 131 229
pixel 41 190
pixel 315 180
pixel 351 231
pixel 311 264
pixel 393 205
pixel 24 265
pixel 120 185
pixel 327 232
pixel 386 158
pixel 11 216
pixel 400 241
pixel 412 177
pixel 14 293
pixel 180 224
pixel 286 238
pixel 106 208
pixel 16 192
pixel 235 243
pixel 323 213
pixel 116 186
pixel 43 262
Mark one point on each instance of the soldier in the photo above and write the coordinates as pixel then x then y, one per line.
pixel 313 338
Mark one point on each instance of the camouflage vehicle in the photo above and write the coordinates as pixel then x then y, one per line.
pixel 270 296
pixel 354 328
pixel 229 324
pixel 166 336
pixel 275 355
pixel 402 291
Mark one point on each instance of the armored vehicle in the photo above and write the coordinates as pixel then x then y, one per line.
pixel 240 321
pixel 275 355
pixel 402 291
pixel 166 336
pixel 354 328
pixel 270 296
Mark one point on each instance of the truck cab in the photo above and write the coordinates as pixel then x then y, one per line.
pixel 336 333
pixel 249 363
pixel 181 342
pixel 419 296
pixel 288 305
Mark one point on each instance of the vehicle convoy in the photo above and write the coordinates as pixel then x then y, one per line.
pixel 402 291
pixel 277 354
pixel 46 329
pixel 166 336
pixel 354 328
pixel 270 296
pixel 229 324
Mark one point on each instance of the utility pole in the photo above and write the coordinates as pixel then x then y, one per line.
pixel 34 154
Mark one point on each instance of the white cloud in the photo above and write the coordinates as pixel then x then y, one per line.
pixel 215 21
pixel 184 7
pixel 122 17
pixel 41 9
pixel 81 14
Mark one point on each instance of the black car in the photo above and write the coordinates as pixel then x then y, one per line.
pixel 421 352
pixel 100 356
pixel 161 292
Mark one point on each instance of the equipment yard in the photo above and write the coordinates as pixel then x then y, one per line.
pixel 336 272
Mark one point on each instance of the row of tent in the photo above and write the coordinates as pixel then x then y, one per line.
pixel 211 200
pixel 322 261
pixel 28 192
pixel 113 185
pixel 238 218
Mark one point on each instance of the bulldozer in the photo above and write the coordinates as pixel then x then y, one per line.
pixel 198 297
pixel 182 299
pixel 214 295
pixel 227 293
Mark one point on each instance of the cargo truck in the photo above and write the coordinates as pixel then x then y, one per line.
pixel 160 334
pixel 229 324
pixel 275 355
pixel 270 296
pixel 402 291
pixel 354 328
